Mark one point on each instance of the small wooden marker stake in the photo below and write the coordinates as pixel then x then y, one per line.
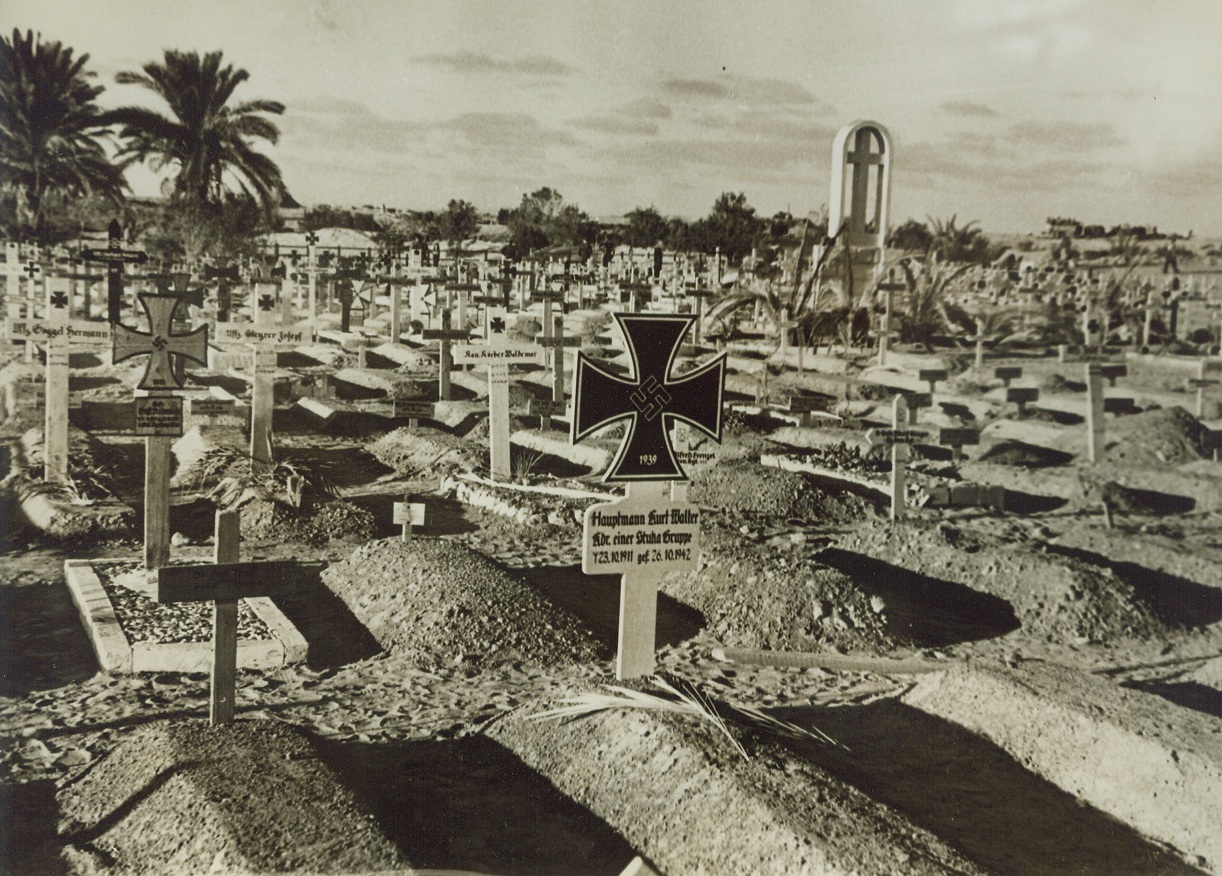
pixel 932 376
pixel 1006 373
pixel 1094 411
pixel 224 584
pixel 408 514
pixel 1022 396
pixel 957 439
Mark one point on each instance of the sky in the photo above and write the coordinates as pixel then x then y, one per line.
pixel 1002 112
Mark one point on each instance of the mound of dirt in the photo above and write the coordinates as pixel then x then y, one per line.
pixel 1020 453
pixel 1163 436
pixel 411 453
pixel 437 602
pixel 263 519
pixel 757 596
pixel 968 385
pixel 250 797
pixel 750 488
pixel 1053 382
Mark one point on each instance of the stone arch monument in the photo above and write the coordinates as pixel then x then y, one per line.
pixel 859 207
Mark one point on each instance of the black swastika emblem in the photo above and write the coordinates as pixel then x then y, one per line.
pixel 650 398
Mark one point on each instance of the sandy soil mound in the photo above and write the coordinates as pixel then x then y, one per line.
pixel 750 488
pixel 1025 455
pixel 244 797
pixel 438 602
pixel 757 596
pixel 411 452
pixel 1164 436
pixel 262 519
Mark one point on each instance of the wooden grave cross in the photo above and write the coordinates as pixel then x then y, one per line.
pixel 886 332
pixel 408 514
pixel 155 415
pixel 979 339
pixel 445 360
pixel 557 341
pixel 265 339
pixel 899 440
pixel 58 335
pixel 497 354
pixel 646 533
pixel 223 584
pixel 1095 426
pixel 915 401
pixel 1200 383
pixel 700 293
pixel 115 257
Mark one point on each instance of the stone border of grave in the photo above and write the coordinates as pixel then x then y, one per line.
pixel 491 495
pixel 116 654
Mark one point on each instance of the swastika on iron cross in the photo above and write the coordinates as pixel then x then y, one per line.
pixel 159 343
pixel 651 401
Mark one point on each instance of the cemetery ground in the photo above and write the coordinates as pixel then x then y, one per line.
pixel 1021 674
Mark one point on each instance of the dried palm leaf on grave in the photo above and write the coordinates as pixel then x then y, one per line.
pixel 683 699
pixel 435 602
pixel 234 477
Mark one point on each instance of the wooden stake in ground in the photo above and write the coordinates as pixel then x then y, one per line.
pixel 115 257
pixel 899 440
pixel 159 380
pixel 408 514
pixel 886 330
pixel 979 339
pixel 497 354
pixel 223 585
pixel 1200 383
pixel 645 534
pixel 1095 427
pixel 557 341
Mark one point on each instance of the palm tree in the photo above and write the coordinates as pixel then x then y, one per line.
pixel 50 131
pixel 205 138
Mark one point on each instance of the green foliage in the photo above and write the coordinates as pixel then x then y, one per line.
pixel 912 236
pixel 646 227
pixel 523 462
pixel 206 139
pixel 326 216
pixel 544 220
pixel 731 225
pixel 51 134
pixel 189 231
pixel 238 477
pixel 459 222
pixel 930 280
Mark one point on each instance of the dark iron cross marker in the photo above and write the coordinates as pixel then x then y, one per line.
pixel 115 257
pixel 651 401
pixel 159 343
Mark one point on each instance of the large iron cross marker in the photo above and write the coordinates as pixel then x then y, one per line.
pixel 159 343
pixel 649 402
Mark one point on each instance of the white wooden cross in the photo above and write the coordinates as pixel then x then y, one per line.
pixel 497 354
pixel 59 335
pixel 1201 382
pixel 886 331
pixel 445 357
pixel 265 339
pixel 899 440
pixel 223 584
pixel 557 340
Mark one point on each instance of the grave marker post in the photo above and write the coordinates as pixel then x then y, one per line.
pixel 497 353
pixel 115 257
pixel 262 388
pixel 1094 411
pixel 1022 396
pixel 445 359
pixel 1199 383
pixel 957 439
pixel 979 339
pixel 646 533
pixel 557 341
pixel 223 584
pixel 408 514
pixel 887 330
pixel 160 345
pixel 899 440
pixel 55 412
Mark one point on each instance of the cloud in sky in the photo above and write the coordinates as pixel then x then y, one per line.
pixel 755 91
pixel 479 62
pixel 967 108
pixel 616 124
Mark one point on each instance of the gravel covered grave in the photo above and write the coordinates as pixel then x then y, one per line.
pixel 436 602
